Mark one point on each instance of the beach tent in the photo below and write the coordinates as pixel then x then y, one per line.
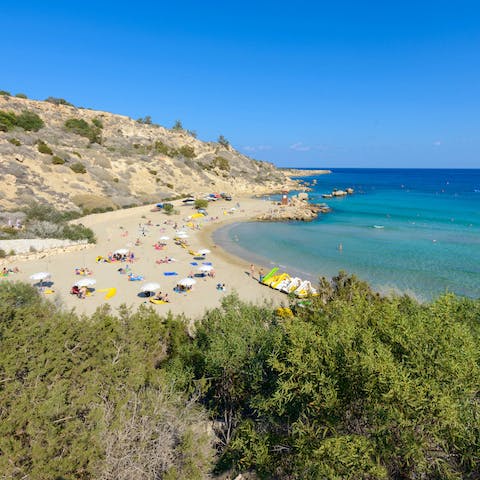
pixel 206 268
pixel 187 282
pixel 122 251
pixel 203 251
pixel 40 276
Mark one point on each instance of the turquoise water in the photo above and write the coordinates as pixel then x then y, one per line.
pixel 430 242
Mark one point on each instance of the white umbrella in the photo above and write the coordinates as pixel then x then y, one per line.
pixel 122 251
pixel 86 282
pixel 150 287
pixel 206 268
pixel 164 238
pixel 39 276
pixel 183 235
pixel 187 282
pixel 203 251
pixel 181 232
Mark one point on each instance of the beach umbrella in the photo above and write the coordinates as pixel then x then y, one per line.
pixel 40 276
pixel 204 251
pixel 122 251
pixel 164 238
pixel 181 232
pixel 187 282
pixel 86 282
pixel 150 287
pixel 206 268
pixel 183 235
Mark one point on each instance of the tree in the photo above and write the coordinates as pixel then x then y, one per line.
pixel 177 126
pixel 223 141
pixel 201 203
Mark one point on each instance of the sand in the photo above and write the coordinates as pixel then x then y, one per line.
pixel 122 228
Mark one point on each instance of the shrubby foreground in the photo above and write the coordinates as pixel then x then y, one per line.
pixel 351 385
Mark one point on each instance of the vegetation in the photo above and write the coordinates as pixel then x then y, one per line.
pixel 177 126
pixel 98 123
pixel 221 163
pixel 42 147
pixel 27 120
pixel 59 101
pixel 223 141
pixel 5 93
pixel 15 141
pixel 350 386
pixel 168 208
pixel 163 149
pixel 84 129
pixel 187 151
pixel 20 95
pixel 43 221
pixel 78 167
pixel 201 203
pixel 56 160
pixel 147 120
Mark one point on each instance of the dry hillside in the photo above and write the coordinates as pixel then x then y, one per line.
pixel 124 162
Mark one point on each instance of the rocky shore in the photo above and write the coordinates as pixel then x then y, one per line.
pixel 297 209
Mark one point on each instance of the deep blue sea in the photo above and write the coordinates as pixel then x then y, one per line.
pixel 429 243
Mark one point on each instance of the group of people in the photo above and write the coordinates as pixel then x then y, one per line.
pixel 162 297
pixel 6 271
pixel 83 271
pixel 261 273
pixel 80 292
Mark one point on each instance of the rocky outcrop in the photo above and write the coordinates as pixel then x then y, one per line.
pixel 297 209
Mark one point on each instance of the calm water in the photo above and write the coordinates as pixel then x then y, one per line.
pixel 430 242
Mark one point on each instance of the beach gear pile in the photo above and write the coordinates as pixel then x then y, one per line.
pixel 287 284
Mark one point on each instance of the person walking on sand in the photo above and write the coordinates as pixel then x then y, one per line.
pixel 252 270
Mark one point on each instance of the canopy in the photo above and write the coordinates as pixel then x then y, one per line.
pixel 122 251
pixel 203 251
pixel 39 276
pixel 206 268
pixel 164 238
pixel 86 282
pixel 187 282
pixel 182 235
pixel 150 287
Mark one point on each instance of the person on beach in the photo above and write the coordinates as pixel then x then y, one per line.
pixel 252 270
pixel 261 274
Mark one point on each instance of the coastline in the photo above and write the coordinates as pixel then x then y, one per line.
pixel 110 229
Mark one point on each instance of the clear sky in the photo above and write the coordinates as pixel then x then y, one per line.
pixel 391 83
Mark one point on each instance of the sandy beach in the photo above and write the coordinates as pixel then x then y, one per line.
pixel 138 230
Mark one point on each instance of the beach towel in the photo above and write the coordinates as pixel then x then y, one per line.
pixel 194 264
pixel 169 274
pixel 206 263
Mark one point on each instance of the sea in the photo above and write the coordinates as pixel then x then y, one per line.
pixel 413 231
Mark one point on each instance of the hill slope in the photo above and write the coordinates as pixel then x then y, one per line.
pixel 125 162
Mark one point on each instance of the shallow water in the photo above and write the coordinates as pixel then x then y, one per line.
pixel 429 243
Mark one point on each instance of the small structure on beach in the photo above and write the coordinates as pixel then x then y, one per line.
pixel 284 197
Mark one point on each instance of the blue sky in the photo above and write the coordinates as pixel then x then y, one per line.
pixel 312 84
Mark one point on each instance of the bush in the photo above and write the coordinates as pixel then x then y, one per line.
pixel 201 203
pixel 42 147
pixel 177 126
pixel 79 232
pixel 20 95
pixel 221 163
pixel 8 120
pixel 4 93
pixel 146 120
pixel 160 147
pixel 58 101
pixel 223 141
pixel 57 160
pixel 82 128
pixel 77 154
pixel 3 253
pixel 78 167
pixel 168 208
pixel 29 121
pixel 15 141
pixel 98 123
pixel 187 151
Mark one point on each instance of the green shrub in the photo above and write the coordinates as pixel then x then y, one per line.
pixel 20 95
pixel 58 101
pixel 201 203
pixel 152 172
pixel 8 120
pixel 168 208
pixel 160 147
pixel 42 147
pixel 4 93
pixel 223 141
pixel 169 185
pixel 3 253
pixel 15 141
pixel 116 180
pixel 98 123
pixel 79 232
pixel 57 160
pixel 187 151
pixel 78 167
pixel 147 120
pixel 177 126
pixel 29 121
pixel 82 128
pixel 77 154
pixel 221 163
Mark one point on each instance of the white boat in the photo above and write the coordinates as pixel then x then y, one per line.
pixel 378 226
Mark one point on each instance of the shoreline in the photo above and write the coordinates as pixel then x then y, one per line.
pixel 122 227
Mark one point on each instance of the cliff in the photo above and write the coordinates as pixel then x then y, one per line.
pixel 97 160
